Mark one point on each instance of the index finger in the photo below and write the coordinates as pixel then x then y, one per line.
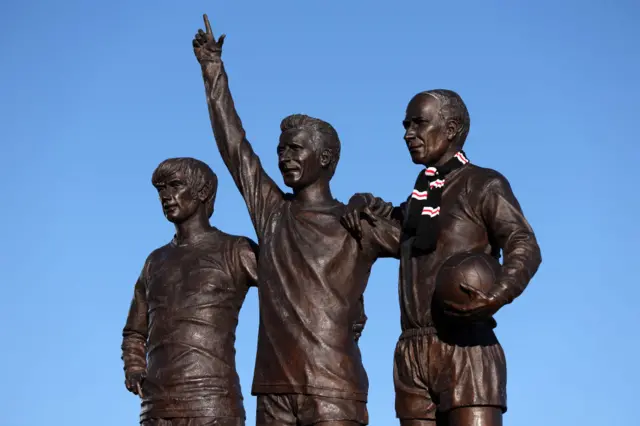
pixel 207 25
pixel 473 290
pixel 372 217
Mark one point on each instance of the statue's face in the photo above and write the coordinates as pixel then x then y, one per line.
pixel 425 131
pixel 298 159
pixel 178 202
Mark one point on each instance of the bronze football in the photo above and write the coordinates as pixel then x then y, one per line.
pixel 477 270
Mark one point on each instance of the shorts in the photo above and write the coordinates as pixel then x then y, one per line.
pixel 303 410
pixel 434 372
pixel 195 421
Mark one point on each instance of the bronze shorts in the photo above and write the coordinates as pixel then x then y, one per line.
pixel 195 421
pixel 304 410
pixel 438 373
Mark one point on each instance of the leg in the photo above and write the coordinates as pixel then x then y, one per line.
pixel 417 422
pixel 275 410
pixel 470 378
pixel 475 416
pixel 156 422
pixel 325 411
pixel 212 421
pixel 414 406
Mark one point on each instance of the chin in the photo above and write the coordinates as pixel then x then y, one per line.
pixel 417 158
pixel 292 182
pixel 173 218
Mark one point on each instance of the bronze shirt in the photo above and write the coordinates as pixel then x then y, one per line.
pixel 312 272
pixel 181 326
pixel 479 212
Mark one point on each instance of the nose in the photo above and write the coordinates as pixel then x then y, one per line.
pixel 285 155
pixel 164 195
pixel 410 133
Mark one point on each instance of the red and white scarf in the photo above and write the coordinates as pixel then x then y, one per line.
pixel 424 203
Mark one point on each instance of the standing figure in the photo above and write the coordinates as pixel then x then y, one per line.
pixel 312 272
pixel 178 342
pixel 448 363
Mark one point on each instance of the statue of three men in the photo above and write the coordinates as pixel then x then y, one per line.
pixel 312 267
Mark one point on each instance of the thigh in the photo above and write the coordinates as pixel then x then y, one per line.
pixel 417 422
pixel 275 410
pixel 475 416
pixel 411 383
pixel 468 376
pixel 212 421
pixel 156 422
pixel 327 411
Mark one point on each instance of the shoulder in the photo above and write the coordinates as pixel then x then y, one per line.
pixel 245 245
pixel 160 252
pixel 237 244
pixel 156 256
pixel 482 179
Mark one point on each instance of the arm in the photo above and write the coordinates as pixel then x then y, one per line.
pixel 257 188
pixel 358 326
pixel 247 252
pixel 365 206
pixel 509 229
pixel 134 337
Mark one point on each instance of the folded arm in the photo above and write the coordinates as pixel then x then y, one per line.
pixel 509 229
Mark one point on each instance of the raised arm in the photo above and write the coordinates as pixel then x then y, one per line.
pixel 257 188
pixel 134 338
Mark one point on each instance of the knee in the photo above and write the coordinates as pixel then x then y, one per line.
pixel 475 416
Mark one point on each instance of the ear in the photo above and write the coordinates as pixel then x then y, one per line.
pixel 326 157
pixel 204 192
pixel 452 128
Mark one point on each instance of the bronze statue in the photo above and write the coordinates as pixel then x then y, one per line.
pixel 449 366
pixel 312 272
pixel 178 342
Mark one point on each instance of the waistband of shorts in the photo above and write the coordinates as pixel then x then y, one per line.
pixel 418 332
pixel 450 328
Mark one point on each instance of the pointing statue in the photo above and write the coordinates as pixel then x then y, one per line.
pixel 312 272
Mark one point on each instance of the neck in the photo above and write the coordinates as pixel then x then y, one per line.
pixel 448 155
pixel 192 228
pixel 316 193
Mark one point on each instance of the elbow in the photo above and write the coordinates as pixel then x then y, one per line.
pixel 536 255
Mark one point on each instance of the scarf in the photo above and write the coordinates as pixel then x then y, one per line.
pixel 424 203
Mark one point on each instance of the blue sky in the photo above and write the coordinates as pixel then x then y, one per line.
pixel 93 95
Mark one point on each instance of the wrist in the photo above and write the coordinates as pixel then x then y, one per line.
pixel 129 370
pixel 501 294
pixel 357 201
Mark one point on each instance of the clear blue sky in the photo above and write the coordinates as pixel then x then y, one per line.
pixel 93 95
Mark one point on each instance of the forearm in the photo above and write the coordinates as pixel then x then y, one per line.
pixel 521 259
pixel 134 351
pixel 377 205
pixel 257 188
pixel 134 334
pixel 225 122
pixel 361 321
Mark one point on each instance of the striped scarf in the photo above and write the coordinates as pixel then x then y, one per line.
pixel 424 203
